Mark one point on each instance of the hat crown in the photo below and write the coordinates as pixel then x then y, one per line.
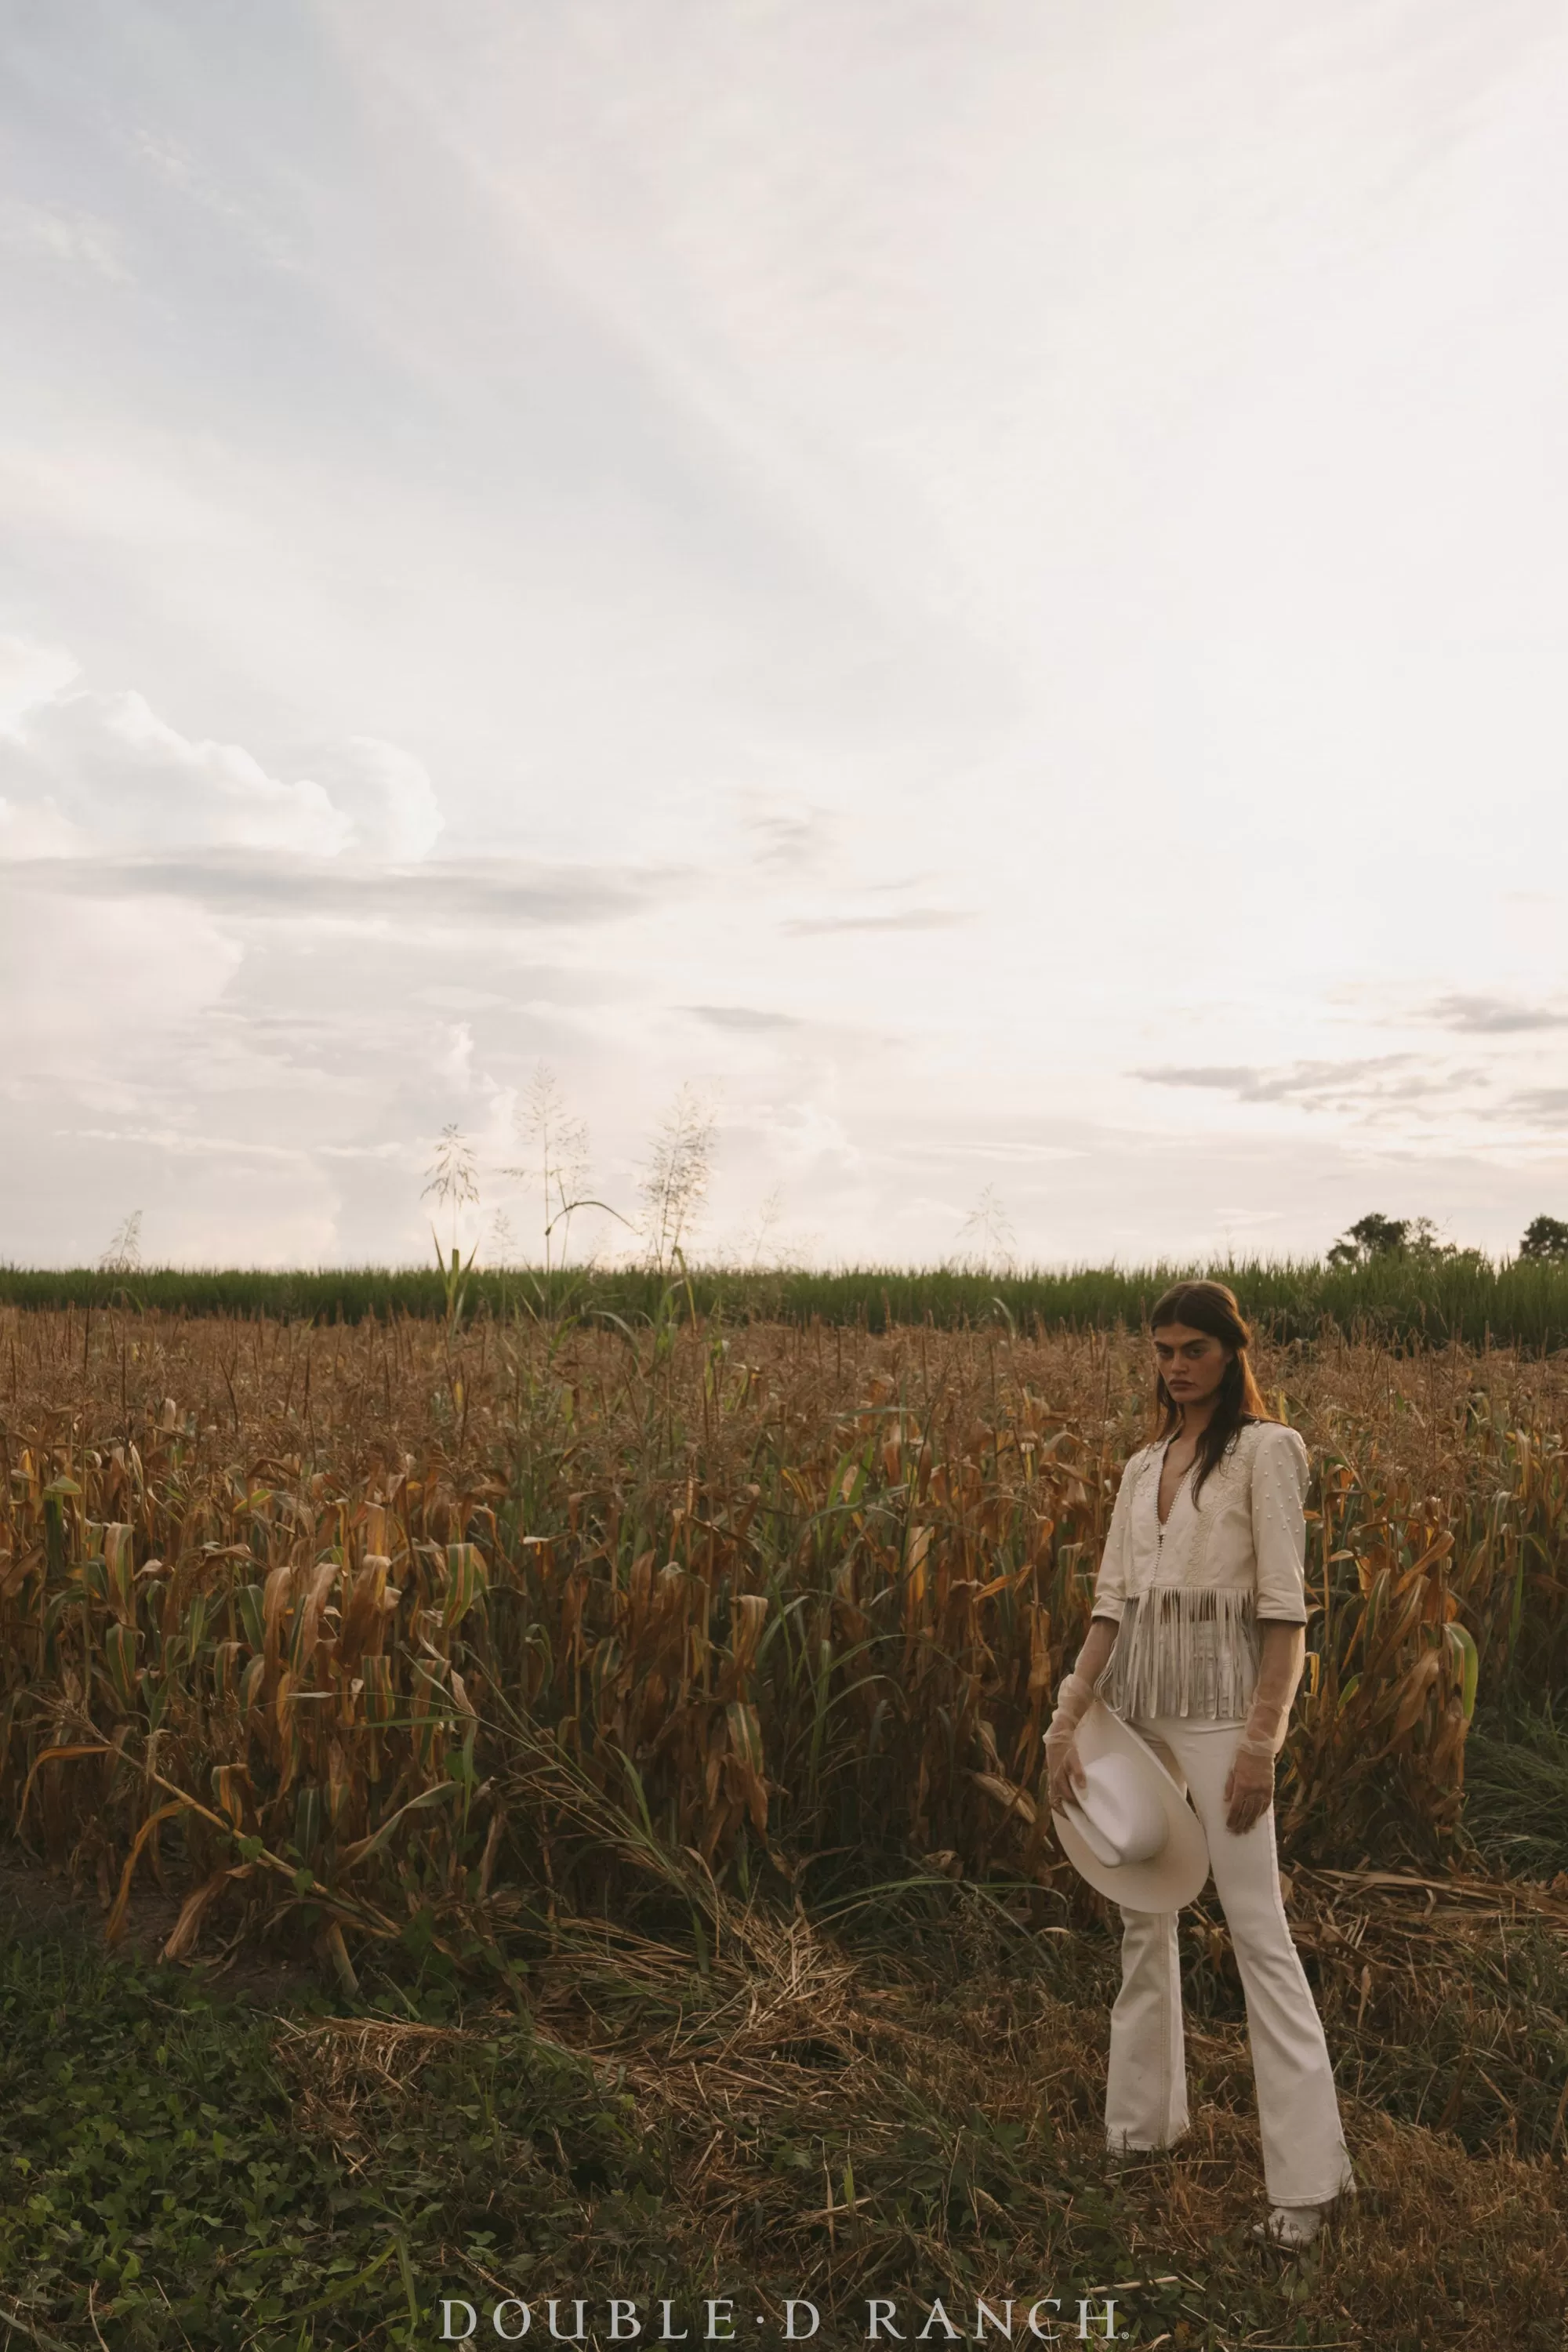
pixel 1117 1814
pixel 1112 1839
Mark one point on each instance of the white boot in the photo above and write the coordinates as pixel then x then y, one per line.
pixel 1290 2227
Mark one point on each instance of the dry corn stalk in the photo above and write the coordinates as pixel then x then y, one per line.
pixel 758 1594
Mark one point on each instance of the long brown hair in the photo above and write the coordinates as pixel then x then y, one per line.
pixel 1210 1306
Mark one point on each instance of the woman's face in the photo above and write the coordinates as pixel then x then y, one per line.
pixel 1191 1363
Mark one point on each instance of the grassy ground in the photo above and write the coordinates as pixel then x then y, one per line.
pixel 1428 1300
pixel 906 2112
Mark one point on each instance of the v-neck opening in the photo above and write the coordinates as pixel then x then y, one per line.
pixel 1162 1523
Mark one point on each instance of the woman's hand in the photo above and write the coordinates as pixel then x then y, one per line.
pixel 1063 1773
pixel 1064 1766
pixel 1248 1789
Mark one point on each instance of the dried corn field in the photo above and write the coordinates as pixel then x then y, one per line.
pixel 364 1626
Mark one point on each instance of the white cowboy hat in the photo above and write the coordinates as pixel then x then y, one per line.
pixel 1130 1831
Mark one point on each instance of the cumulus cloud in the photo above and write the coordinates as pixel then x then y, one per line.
pixel 386 796
pixel 31 673
pixel 84 772
pixel 121 777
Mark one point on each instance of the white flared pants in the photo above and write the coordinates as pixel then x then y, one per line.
pixel 1305 2161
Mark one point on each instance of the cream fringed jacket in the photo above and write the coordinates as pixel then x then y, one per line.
pixel 1188 1597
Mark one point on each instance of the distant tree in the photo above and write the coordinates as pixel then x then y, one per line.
pixel 1545 1237
pixel 123 1254
pixel 1371 1237
pixel 1422 1242
pixel 1368 1238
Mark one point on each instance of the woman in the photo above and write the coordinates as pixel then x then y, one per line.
pixel 1197 1638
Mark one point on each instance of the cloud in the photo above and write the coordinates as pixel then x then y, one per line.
pixel 1494 1016
pixel 54 232
pixel 1547 1103
pixel 121 776
pixel 33 830
pixel 918 919
pixel 509 891
pixel 31 673
pixel 180 1141
pixel 788 840
pixel 1022 1156
pixel 174 168
pixel 84 772
pixel 1231 1079
pixel 386 795
pixel 458 1000
pixel 1316 1085
pixel 740 1016
pixel 89 986
pixel 455 1061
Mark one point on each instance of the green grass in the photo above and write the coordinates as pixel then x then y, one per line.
pixel 1401 1300
pixel 1515 1789
pixel 160 2170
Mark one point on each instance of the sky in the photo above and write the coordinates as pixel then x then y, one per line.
pixel 984 589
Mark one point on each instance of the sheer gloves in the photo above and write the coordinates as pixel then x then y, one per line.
pixel 1064 1770
pixel 1249 1790
pixel 1249 1786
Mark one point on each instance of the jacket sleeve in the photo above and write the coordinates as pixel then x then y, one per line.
pixel 1111 1583
pixel 1280 1475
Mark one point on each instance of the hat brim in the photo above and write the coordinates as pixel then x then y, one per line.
pixel 1176 1873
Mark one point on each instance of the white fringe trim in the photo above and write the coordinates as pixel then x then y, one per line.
pixel 1184 1649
